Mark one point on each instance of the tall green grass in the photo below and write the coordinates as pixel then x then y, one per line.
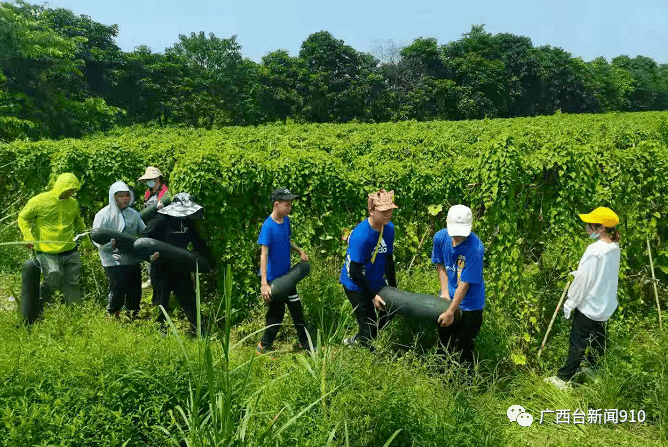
pixel 79 378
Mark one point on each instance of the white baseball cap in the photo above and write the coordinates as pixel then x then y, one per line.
pixel 460 219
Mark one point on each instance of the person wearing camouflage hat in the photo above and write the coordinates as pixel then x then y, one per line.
pixel 369 262
pixel 175 224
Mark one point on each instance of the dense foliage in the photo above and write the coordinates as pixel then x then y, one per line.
pixel 526 179
pixel 80 379
pixel 62 75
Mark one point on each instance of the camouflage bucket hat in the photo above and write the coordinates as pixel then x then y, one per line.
pixel 182 206
pixel 381 200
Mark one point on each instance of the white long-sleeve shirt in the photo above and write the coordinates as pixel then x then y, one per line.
pixel 594 289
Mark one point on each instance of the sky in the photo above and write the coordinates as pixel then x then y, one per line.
pixel 585 28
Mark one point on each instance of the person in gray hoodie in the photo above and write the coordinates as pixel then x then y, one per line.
pixel 123 271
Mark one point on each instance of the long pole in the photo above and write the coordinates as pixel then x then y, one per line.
pixel 549 328
pixel 656 293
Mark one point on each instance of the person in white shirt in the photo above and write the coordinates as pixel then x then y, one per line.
pixel 592 296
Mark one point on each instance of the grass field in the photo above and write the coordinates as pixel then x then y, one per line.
pixel 81 378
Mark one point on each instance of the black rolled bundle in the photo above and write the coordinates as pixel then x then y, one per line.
pixel 418 306
pixel 281 286
pixel 102 236
pixel 145 247
pixel 30 304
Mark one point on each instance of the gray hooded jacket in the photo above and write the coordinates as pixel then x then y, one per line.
pixel 113 218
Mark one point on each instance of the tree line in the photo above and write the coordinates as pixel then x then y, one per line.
pixel 62 75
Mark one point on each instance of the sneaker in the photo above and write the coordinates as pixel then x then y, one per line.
pixel 260 349
pixel 558 383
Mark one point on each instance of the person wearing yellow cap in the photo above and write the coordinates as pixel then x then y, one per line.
pixel 592 296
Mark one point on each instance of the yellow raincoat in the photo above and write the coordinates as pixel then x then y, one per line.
pixel 48 218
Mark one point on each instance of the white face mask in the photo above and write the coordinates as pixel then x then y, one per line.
pixel 594 236
pixel 150 183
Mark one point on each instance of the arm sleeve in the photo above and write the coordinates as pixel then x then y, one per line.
pixel 97 223
pixel 357 275
pixel 436 251
pixel 472 271
pixel 141 226
pixel 80 227
pixel 79 224
pixel 265 235
pixel 152 230
pixel 584 279
pixel 25 220
pixel 199 244
pixel 389 239
pixel 390 271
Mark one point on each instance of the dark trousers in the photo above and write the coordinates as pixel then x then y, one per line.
pixel 276 313
pixel 585 331
pixel 166 280
pixel 460 335
pixel 369 319
pixel 124 288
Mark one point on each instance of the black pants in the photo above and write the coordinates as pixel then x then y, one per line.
pixel 276 313
pixel 124 288
pixel 461 335
pixel 584 331
pixel 369 319
pixel 166 280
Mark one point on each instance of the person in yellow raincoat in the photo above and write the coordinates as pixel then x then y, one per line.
pixel 52 219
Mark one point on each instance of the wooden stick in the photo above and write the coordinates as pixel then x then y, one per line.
pixel 656 293
pixel 549 328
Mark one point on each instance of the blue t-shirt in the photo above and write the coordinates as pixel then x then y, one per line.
pixel 462 263
pixel 361 245
pixel 277 238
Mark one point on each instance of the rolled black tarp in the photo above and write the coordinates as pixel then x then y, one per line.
pixel 281 286
pixel 124 242
pixel 150 211
pixel 145 247
pixel 30 305
pixel 418 306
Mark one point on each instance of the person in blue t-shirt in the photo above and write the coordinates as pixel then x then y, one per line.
pixel 275 249
pixel 368 262
pixel 458 255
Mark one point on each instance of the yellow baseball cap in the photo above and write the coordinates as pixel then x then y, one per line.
pixel 601 215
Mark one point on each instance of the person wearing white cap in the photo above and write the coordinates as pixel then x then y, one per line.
pixel 156 187
pixel 458 254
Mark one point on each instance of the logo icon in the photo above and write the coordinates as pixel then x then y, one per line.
pixel 517 413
